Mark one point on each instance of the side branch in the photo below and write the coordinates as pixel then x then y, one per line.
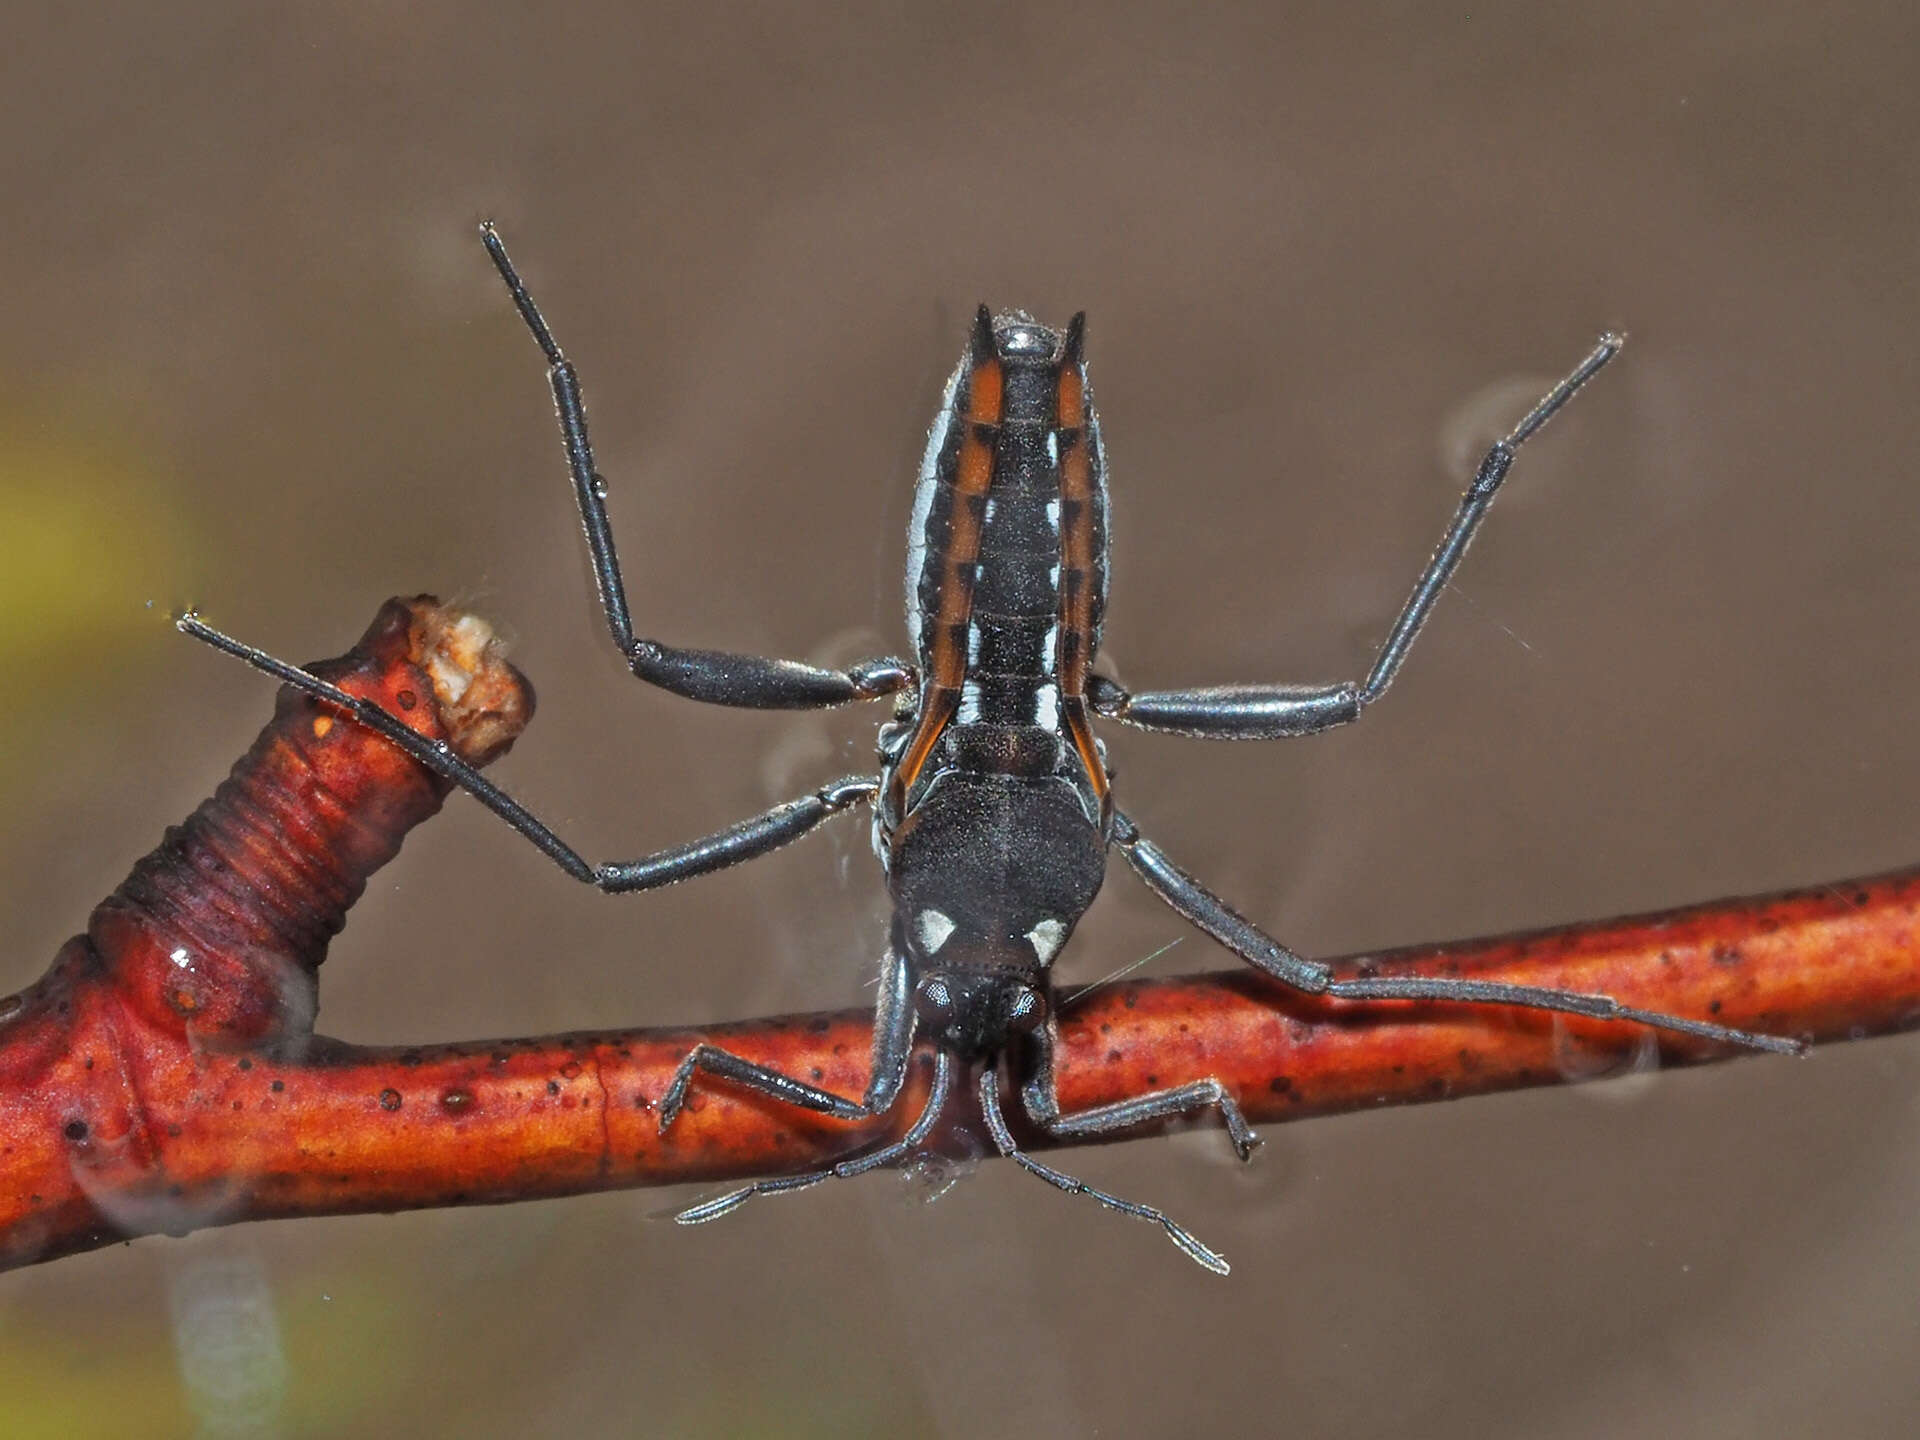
pixel 140 1094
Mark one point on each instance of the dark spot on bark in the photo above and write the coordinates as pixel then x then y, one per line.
pixel 246 1064
pixel 1105 1028
pixel 819 1027
pixel 455 1102
pixel 277 1086
pixel 1727 955
pixel 1280 1084
pixel 89 1064
pixel 389 1099
pixel 553 1087
pixel 237 1105
pixel 1436 1087
pixel 1713 1007
pixel 640 1101
pixel 1131 999
pixel 407 699
pixel 840 1049
pixel 173 1132
pixel 76 1131
pixel 818 1073
pixel 1860 897
pixel 571 1070
pixel 1153 1082
pixel 1113 1057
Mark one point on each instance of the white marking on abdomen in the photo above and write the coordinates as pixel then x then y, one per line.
pixel 923 499
pixel 1046 707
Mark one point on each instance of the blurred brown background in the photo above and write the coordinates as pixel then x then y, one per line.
pixel 254 358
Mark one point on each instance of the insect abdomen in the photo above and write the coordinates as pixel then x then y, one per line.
pixel 1037 572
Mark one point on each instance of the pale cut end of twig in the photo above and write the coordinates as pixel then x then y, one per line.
pixel 484 702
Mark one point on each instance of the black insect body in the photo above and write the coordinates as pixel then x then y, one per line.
pixel 992 808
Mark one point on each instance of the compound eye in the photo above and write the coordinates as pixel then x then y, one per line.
pixel 1026 1008
pixel 935 1000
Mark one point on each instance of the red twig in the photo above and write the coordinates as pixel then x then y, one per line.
pixel 164 1076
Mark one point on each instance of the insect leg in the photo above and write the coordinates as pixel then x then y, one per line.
pixel 745 840
pixel 1247 940
pixel 1042 1102
pixel 1003 1142
pixel 1271 712
pixel 893 1025
pixel 717 677
pixel 886 1155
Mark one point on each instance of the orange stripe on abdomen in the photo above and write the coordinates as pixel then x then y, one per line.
pixel 1073 657
pixel 946 643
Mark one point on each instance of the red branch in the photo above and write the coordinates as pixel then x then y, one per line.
pixel 163 1075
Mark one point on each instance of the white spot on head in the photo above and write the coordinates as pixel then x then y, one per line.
pixel 1046 937
pixel 934 929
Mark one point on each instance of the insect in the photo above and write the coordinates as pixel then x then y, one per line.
pixel 993 812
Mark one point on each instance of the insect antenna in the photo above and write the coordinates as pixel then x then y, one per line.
pixel 1003 1141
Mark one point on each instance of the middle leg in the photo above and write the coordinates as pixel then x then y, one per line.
pixel 745 840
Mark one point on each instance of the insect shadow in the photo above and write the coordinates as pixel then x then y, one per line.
pixel 993 813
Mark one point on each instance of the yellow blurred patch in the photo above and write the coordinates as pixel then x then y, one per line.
pixel 92 551
pixel 86 540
